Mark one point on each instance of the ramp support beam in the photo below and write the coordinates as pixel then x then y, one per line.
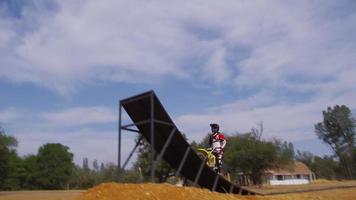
pixel 215 182
pixel 153 166
pixel 170 137
pixel 182 162
pixel 199 172
pixel 119 141
pixel 132 152
pixel 231 188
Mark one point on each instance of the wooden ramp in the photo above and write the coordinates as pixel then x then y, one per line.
pixel 170 144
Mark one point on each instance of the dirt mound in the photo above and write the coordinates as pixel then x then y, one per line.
pixel 114 191
pixel 148 191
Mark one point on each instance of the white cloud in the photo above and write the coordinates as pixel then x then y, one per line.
pixel 216 70
pixel 64 118
pixel 278 50
pixel 9 115
pixel 81 116
pixel 288 121
pixel 97 42
pixel 88 41
pixel 90 143
pixel 67 126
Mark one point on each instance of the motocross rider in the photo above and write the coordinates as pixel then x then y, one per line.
pixel 217 141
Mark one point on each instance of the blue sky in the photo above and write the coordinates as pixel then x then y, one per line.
pixel 65 65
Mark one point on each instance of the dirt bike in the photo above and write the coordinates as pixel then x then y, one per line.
pixel 208 154
pixel 211 160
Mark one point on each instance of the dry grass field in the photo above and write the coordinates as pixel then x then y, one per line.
pixel 113 191
pixel 316 186
pixel 334 194
pixel 40 195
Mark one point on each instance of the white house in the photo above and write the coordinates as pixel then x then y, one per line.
pixel 297 174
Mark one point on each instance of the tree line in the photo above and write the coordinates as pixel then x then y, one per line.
pixel 50 168
pixel 53 167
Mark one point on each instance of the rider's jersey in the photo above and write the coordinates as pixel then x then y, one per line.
pixel 217 140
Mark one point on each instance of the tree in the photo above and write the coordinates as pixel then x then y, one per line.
pixel 7 147
pixel 10 164
pixel 323 167
pixel 338 131
pixel 55 164
pixel 244 153
pixel 31 172
pixel 109 173
pixel 285 151
pixel 84 177
pixel 81 178
pixel 354 159
pixel 162 170
pixel 95 165
pixel 131 176
pixel 251 155
pixel 102 166
pixel 86 163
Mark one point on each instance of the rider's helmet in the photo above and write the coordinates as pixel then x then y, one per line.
pixel 214 127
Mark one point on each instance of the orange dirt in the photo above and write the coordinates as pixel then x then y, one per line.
pixel 149 191
pixel 113 191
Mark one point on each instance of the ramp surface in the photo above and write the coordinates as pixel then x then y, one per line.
pixel 170 143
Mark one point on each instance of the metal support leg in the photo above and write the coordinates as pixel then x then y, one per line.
pixel 199 172
pixel 170 137
pixel 231 188
pixel 183 161
pixel 152 141
pixel 215 183
pixel 132 152
pixel 132 130
pixel 119 142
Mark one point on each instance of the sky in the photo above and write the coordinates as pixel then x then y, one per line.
pixel 65 64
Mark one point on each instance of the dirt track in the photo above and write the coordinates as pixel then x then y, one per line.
pixel 316 186
pixel 40 195
pixel 113 191
pixel 170 192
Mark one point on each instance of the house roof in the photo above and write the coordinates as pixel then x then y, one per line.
pixel 296 168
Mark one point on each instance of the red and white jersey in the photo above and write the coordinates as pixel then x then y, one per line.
pixel 217 140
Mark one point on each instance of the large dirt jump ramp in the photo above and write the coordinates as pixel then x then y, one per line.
pixel 170 144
